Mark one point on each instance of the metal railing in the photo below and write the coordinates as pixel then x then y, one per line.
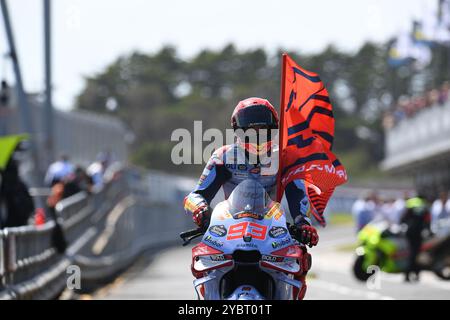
pixel 105 232
pixel 2 265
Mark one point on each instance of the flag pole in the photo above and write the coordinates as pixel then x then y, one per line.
pixel 281 127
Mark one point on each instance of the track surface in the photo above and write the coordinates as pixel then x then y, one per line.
pixel 167 276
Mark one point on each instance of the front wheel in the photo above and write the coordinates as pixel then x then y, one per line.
pixel 358 269
pixel 443 273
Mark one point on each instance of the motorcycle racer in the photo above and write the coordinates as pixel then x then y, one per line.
pixel 231 164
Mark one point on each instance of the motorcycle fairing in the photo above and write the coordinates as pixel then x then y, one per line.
pixel 233 232
pixel 279 251
pixel 246 233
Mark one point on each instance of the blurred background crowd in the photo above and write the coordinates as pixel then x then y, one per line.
pixel 371 206
pixel 409 106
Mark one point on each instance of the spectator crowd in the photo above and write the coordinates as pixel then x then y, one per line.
pixel 371 207
pixel 63 179
pixel 408 107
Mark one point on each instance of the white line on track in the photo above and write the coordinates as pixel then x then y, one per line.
pixel 347 291
pixel 427 279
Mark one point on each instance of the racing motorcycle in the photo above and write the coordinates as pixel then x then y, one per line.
pixel 248 251
pixel 385 246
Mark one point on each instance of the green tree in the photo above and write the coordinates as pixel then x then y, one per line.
pixel 155 94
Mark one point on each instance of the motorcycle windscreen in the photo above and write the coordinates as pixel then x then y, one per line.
pixel 249 199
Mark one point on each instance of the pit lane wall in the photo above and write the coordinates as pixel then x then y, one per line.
pixel 105 232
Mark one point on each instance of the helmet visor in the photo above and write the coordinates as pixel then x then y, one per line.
pixel 256 116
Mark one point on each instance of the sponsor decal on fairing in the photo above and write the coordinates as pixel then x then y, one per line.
pixel 277 232
pixel 218 231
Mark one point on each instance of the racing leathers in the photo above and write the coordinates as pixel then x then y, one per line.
pixel 227 167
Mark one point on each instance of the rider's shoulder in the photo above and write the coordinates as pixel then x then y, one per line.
pixel 219 155
pixel 221 152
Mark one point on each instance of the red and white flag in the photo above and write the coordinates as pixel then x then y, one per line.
pixel 306 137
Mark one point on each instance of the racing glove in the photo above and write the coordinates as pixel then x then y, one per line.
pixel 305 233
pixel 309 235
pixel 201 216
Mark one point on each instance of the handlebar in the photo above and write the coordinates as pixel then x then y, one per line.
pixel 293 232
pixel 190 235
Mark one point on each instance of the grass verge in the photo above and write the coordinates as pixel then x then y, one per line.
pixel 340 219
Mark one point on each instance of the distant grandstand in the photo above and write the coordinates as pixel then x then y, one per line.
pixel 419 147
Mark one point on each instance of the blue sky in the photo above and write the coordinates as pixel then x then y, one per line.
pixel 89 34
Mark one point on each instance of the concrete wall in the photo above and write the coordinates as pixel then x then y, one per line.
pixel 420 147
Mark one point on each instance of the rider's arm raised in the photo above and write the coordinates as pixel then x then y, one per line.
pixel 298 202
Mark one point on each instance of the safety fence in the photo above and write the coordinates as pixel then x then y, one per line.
pixel 105 232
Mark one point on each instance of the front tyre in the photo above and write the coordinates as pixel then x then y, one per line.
pixel 358 269
pixel 443 273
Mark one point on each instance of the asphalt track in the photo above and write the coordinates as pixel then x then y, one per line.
pixel 166 275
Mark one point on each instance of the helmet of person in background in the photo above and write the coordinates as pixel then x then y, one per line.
pixel 257 114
